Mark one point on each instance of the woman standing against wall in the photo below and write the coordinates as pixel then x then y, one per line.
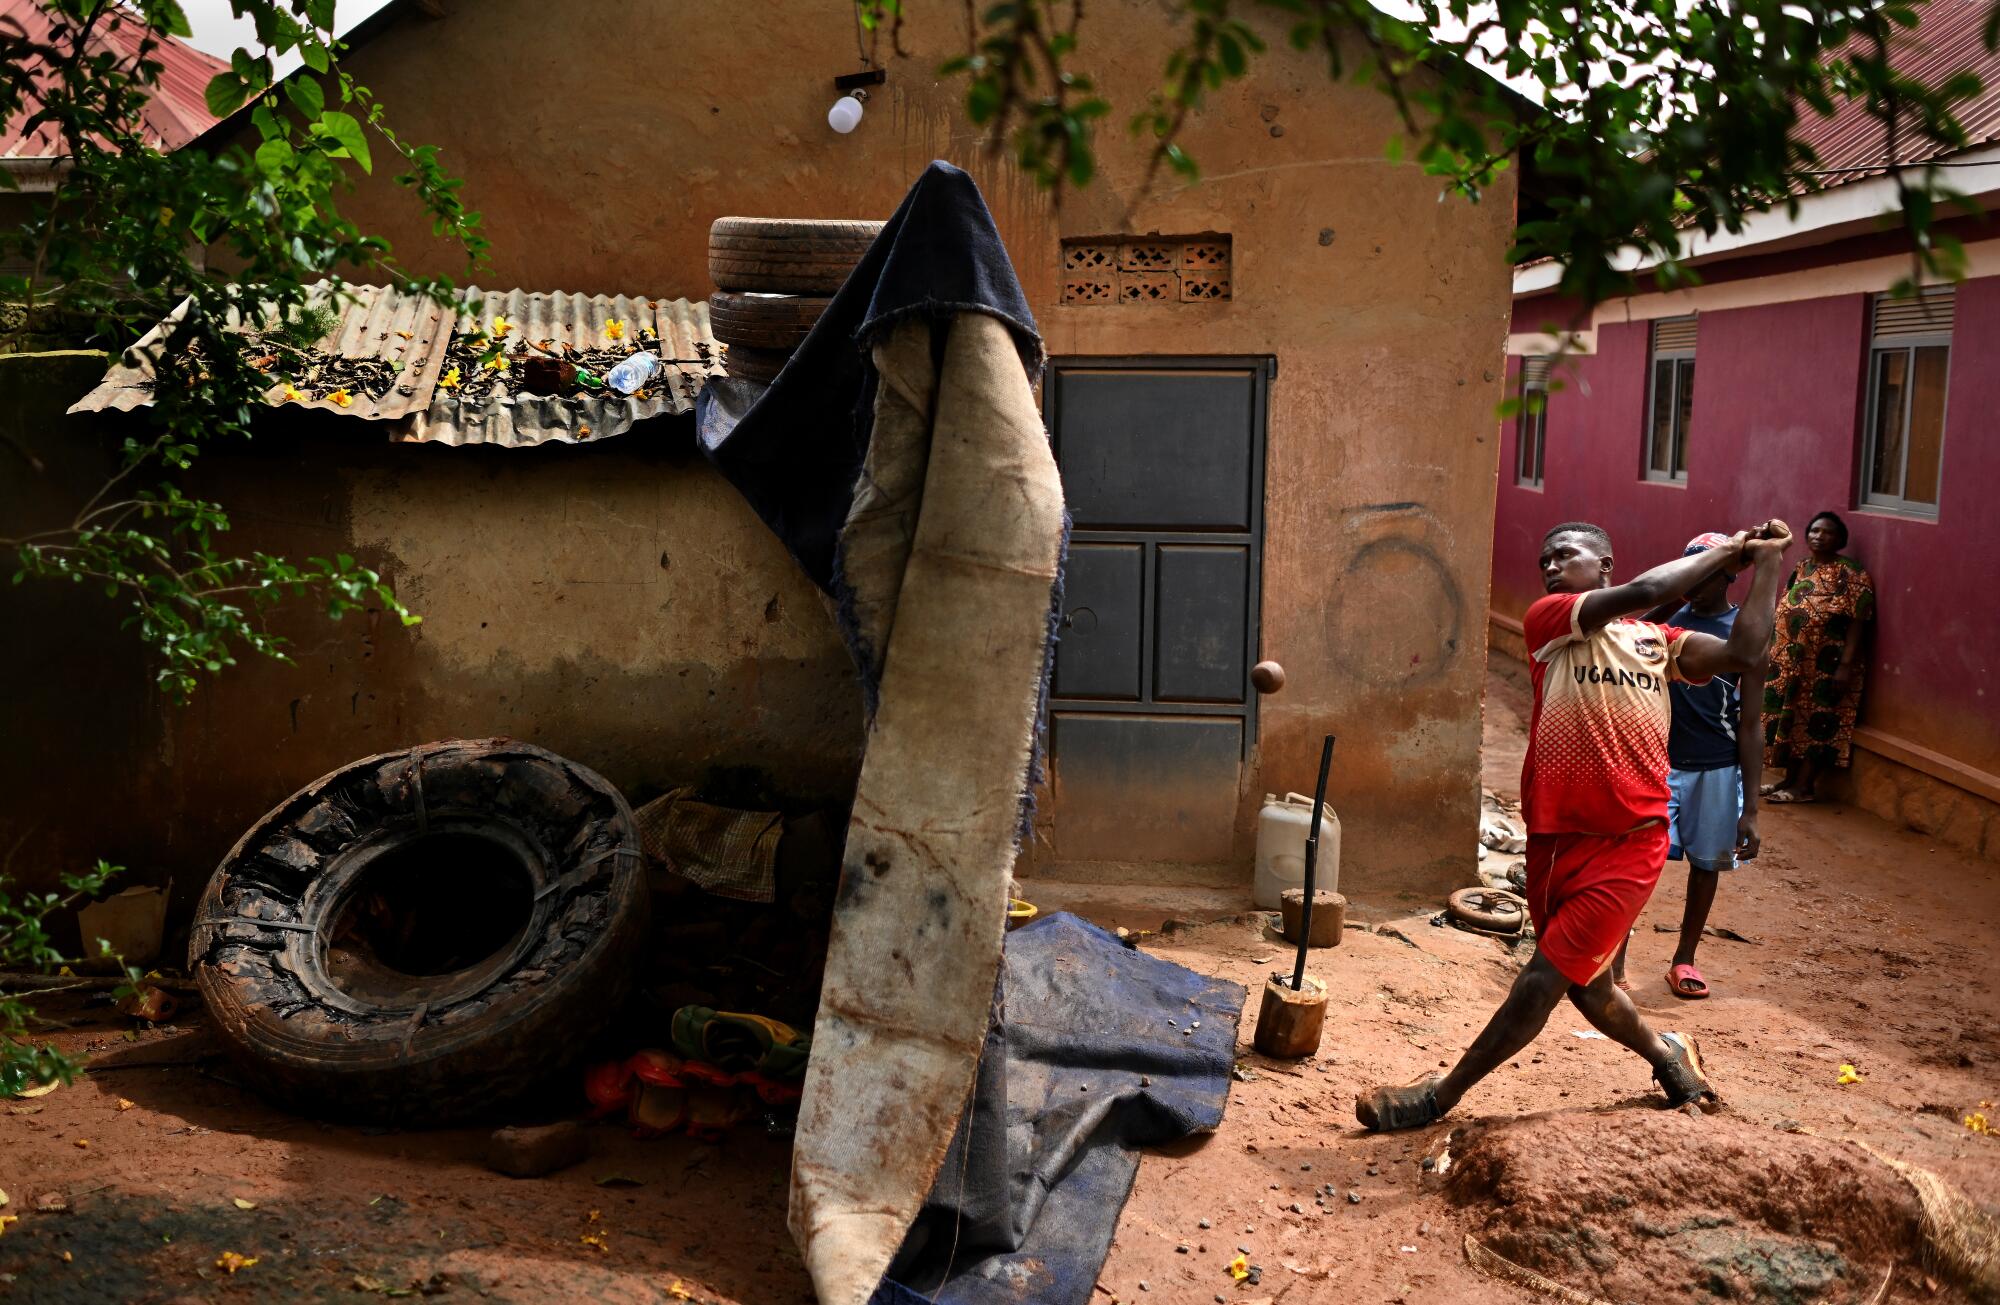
pixel 1813 691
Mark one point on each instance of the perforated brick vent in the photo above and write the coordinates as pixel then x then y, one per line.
pixel 1151 269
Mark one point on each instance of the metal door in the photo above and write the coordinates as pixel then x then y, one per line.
pixel 1151 713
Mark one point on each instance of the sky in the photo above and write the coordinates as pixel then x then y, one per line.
pixel 219 32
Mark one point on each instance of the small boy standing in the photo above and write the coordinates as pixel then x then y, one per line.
pixel 1716 758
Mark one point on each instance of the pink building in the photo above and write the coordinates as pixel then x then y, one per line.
pixel 1788 383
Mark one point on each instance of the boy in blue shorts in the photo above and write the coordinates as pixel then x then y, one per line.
pixel 1715 752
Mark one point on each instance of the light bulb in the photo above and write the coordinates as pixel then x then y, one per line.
pixel 845 115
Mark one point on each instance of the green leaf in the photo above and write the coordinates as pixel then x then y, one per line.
pixel 225 94
pixel 306 94
pixel 273 155
pixel 315 54
pixel 345 129
pixel 170 18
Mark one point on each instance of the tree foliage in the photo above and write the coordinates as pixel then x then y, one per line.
pixel 131 235
pixel 1660 118
pixel 212 243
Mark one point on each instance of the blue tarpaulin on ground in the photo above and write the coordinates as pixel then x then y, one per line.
pixel 1096 1049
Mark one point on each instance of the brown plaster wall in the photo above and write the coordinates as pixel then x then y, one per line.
pixel 599 164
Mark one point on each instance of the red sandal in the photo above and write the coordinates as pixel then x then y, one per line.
pixel 1685 982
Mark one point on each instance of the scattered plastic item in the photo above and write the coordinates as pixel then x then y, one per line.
pixel 242 1204
pixel 151 1004
pixel 662 1093
pixel 628 376
pixel 129 923
pixel 1588 1033
pixel 741 1043
pixel 1020 912
pixel 1849 1074
pixel 589 380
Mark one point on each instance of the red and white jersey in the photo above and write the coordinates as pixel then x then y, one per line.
pixel 1597 743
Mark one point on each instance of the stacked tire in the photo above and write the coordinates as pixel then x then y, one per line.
pixel 774 277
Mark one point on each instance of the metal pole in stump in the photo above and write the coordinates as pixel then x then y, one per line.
pixel 1312 862
pixel 1292 1016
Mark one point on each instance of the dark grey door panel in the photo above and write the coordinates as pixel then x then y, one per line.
pixel 1097 655
pixel 1145 788
pixel 1203 610
pixel 1147 449
pixel 1151 713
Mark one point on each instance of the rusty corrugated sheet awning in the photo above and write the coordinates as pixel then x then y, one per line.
pixel 674 328
pixel 417 340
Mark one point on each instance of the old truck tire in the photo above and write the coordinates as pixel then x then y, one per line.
pixel 423 934
pixel 762 321
pixel 787 256
pixel 759 365
pixel 1493 909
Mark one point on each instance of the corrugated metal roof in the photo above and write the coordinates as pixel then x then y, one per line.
pixel 1949 37
pixel 674 328
pixel 176 113
pixel 417 341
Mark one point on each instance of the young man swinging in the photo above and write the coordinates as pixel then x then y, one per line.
pixel 1594 790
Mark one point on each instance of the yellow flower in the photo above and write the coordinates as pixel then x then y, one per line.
pixel 500 328
pixel 614 329
pixel 679 1292
pixel 340 398
pixel 230 1262
pixel 1848 1074
pixel 123 1104
pixel 6 1219
pixel 292 394
pixel 499 362
pixel 449 380
pixel 597 1240
pixel 1977 1123
pixel 1239 1268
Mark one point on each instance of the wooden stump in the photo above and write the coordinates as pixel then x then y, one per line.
pixel 1288 1023
pixel 1329 915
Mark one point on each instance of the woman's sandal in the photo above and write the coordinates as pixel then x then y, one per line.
pixel 1387 1109
pixel 1682 1078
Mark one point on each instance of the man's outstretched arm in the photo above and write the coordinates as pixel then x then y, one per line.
pixel 1704 655
pixel 1600 607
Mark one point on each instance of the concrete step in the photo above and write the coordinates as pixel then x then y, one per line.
pixel 1135 906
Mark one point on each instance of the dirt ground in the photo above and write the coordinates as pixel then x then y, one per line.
pixel 1872 948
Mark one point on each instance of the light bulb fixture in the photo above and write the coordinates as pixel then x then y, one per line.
pixel 845 115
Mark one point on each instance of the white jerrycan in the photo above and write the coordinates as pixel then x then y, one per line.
pixel 1282 827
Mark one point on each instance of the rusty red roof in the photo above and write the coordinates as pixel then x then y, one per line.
pixel 1949 38
pixel 177 113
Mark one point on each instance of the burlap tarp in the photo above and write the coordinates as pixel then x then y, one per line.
pixel 952 552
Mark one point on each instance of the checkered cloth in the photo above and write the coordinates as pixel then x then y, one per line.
pixel 728 853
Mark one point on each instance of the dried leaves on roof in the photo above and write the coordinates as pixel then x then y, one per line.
pixel 384 354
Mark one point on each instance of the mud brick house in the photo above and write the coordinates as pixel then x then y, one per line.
pixel 1789 383
pixel 1271 393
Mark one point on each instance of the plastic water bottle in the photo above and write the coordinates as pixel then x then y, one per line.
pixel 634 372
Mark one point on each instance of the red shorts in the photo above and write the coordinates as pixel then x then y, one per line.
pixel 1585 890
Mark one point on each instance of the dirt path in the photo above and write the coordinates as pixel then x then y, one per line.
pixel 1873 948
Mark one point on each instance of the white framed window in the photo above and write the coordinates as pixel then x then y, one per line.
pixel 1669 400
pixel 1531 428
pixel 1909 364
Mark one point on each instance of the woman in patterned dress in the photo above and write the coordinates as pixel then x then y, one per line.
pixel 1814 687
